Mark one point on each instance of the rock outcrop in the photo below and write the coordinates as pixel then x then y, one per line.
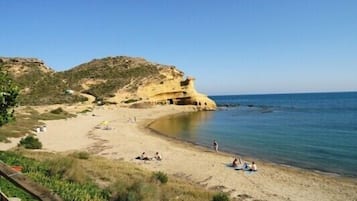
pixel 118 80
pixel 172 88
pixel 18 66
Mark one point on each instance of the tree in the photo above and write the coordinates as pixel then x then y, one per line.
pixel 8 95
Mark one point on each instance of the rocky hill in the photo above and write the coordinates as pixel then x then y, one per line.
pixel 116 80
pixel 39 84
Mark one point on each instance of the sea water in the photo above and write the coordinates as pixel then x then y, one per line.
pixel 315 131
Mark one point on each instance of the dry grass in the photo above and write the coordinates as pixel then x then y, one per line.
pixel 121 178
pixel 27 119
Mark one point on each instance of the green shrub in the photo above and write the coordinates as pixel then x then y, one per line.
pixel 138 191
pixel 8 98
pixel 68 189
pixel 81 155
pixel 57 111
pixel 30 142
pixel 130 101
pixel 10 190
pixel 220 197
pixel 67 168
pixel 59 166
pixel 143 191
pixel 86 110
pixel 160 176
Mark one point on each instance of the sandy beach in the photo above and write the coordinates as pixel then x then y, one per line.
pixel 124 135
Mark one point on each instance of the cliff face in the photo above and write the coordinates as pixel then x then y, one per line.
pixel 119 80
pixel 170 88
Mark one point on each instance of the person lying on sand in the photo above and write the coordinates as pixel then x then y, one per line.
pixel 143 157
pixel 249 167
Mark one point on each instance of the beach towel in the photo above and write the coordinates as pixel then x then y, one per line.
pixel 249 172
pixel 239 167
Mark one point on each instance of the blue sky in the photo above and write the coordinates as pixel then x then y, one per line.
pixel 230 47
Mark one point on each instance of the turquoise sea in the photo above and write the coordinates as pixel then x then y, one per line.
pixel 315 131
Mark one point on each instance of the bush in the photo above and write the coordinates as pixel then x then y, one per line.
pixel 66 168
pixel 57 111
pixel 81 155
pixel 86 110
pixel 143 191
pixel 220 197
pixel 130 101
pixel 160 176
pixel 67 188
pixel 8 96
pixel 138 191
pixel 30 142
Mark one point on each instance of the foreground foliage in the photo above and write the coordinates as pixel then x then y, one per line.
pixel 57 174
pixel 160 176
pixel 8 96
pixel 77 178
pixel 13 191
pixel 220 197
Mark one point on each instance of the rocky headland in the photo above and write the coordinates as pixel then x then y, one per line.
pixel 129 81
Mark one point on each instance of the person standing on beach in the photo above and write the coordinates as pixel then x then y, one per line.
pixel 215 145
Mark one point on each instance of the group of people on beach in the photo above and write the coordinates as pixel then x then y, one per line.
pixel 246 166
pixel 143 156
pixel 236 162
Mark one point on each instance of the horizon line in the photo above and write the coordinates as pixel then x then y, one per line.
pixel 285 93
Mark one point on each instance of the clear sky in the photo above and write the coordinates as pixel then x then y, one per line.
pixel 231 47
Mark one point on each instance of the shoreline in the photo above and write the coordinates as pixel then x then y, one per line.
pixel 216 165
pixel 247 157
pixel 127 139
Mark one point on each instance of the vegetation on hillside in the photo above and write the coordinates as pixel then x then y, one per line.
pixel 104 76
pixel 116 71
pixel 75 178
pixel 38 87
pixel 8 98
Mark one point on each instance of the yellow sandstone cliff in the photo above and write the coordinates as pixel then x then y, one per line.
pixel 172 88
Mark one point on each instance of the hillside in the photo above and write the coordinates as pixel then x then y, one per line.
pixel 116 80
pixel 39 84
